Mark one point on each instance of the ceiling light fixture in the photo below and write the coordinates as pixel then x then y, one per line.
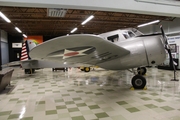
pixel 18 29
pixel 149 23
pixel 4 17
pixel 87 20
pixel 25 35
pixel 74 30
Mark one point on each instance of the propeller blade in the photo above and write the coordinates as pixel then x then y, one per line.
pixel 164 36
pixel 171 60
pixel 167 47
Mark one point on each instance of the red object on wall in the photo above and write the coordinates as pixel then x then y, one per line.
pixel 36 39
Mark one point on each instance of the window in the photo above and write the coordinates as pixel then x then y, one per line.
pixel 128 34
pixel 131 34
pixel 113 38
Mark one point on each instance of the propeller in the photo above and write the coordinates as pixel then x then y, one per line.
pixel 167 47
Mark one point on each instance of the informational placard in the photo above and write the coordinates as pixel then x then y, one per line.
pixel 174 42
pixel 16 45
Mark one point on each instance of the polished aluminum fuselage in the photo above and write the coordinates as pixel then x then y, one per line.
pixel 144 51
pixel 112 50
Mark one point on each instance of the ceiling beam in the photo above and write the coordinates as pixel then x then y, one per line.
pixel 129 6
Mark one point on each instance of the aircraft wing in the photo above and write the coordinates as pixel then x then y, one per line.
pixel 82 48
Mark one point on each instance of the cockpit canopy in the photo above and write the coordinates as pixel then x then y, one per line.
pixel 119 35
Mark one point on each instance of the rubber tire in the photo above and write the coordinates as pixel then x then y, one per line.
pixel 138 78
pixel 27 71
pixel 86 69
pixel 141 70
pixel 33 70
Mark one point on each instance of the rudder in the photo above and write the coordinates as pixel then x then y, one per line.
pixel 27 46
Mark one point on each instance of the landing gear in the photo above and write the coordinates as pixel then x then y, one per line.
pixel 29 71
pixel 81 68
pixel 138 82
pixel 86 69
pixel 141 70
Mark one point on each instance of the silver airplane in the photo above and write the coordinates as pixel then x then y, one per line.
pixel 116 50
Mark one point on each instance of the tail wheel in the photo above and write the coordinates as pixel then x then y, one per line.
pixel 138 82
pixel 33 70
pixel 86 69
pixel 141 70
pixel 29 71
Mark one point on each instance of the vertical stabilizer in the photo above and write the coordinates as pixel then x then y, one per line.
pixel 27 46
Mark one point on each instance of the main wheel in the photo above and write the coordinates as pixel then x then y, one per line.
pixel 33 70
pixel 138 82
pixel 141 70
pixel 27 71
pixel 86 69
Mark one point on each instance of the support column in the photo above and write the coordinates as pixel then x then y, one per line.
pixel 0 53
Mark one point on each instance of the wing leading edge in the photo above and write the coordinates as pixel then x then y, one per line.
pixel 82 48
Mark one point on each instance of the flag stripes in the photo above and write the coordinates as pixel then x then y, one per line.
pixel 24 52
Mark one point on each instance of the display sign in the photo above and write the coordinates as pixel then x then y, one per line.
pixel 16 45
pixel 174 43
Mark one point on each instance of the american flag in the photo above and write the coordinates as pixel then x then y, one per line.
pixel 24 52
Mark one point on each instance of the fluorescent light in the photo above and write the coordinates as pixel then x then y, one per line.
pixel 142 25
pixel 73 30
pixel 87 20
pixel 25 35
pixel 4 17
pixel 18 29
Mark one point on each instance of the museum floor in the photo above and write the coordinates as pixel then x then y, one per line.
pixel 97 95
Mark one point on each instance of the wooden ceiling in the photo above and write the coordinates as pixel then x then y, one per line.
pixel 34 21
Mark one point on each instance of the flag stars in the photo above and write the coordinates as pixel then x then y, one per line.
pixel 70 53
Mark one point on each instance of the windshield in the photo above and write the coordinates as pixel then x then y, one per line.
pixel 128 34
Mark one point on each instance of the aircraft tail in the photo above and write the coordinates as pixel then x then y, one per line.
pixel 27 46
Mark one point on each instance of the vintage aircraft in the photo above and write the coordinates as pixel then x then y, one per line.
pixel 116 50
pixel 29 65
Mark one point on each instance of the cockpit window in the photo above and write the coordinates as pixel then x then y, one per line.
pixel 113 38
pixel 128 34
pixel 131 34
